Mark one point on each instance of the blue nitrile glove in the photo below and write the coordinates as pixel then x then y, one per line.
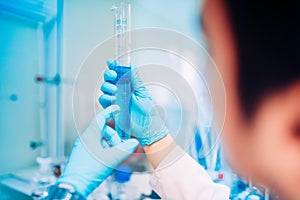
pixel 146 124
pixel 92 160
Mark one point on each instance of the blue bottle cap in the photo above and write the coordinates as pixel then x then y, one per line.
pixel 123 173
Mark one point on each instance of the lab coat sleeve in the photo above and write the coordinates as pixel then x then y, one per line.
pixel 180 177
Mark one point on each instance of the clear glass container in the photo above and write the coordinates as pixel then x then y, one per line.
pixel 122 23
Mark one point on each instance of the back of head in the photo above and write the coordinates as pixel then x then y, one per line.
pixel 255 45
pixel 268 47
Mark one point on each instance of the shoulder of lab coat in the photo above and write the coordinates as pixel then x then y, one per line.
pixel 180 177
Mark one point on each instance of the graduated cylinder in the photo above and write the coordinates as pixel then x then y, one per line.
pixel 122 20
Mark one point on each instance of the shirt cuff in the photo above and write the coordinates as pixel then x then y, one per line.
pixel 180 177
pixel 170 159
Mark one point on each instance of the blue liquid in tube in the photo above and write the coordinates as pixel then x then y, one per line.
pixel 123 95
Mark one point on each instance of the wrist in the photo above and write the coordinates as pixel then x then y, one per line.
pixel 157 151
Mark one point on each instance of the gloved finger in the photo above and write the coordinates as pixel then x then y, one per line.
pixel 110 111
pixel 125 148
pixel 107 100
pixel 104 104
pixel 111 64
pixel 110 75
pixel 120 152
pixel 106 114
pixel 108 88
pixel 111 135
pixel 104 143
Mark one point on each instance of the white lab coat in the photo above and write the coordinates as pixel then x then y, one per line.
pixel 180 177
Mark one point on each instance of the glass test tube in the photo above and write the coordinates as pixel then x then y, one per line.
pixel 123 69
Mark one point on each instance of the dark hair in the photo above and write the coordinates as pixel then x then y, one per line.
pixel 267 40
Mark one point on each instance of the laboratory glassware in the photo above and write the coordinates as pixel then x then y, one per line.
pixel 122 27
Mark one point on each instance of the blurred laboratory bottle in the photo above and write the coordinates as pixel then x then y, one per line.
pixel 43 178
pixel 120 187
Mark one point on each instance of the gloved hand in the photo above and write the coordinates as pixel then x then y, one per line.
pixel 146 124
pixel 92 160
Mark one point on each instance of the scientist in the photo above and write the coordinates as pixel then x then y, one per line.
pixel 255 45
